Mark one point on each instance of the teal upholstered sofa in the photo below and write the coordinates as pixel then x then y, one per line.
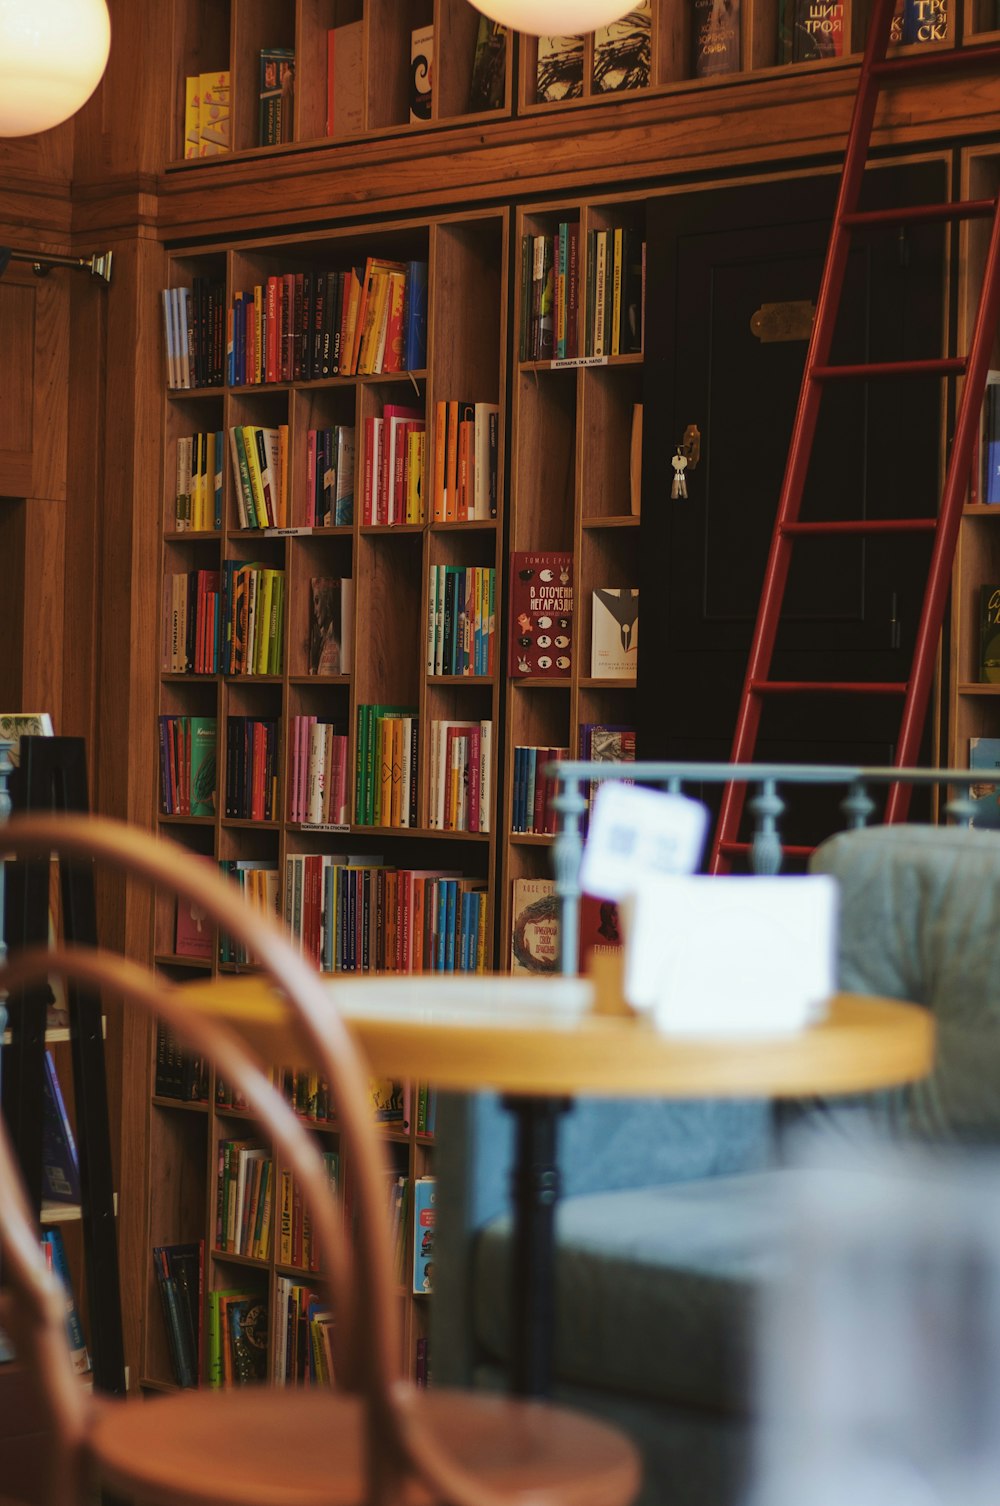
pixel 674 1215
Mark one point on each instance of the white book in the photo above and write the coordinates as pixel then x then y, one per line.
pixel 432 589
pixel 614 633
pixel 316 777
pixel 170 338
pixel 184 336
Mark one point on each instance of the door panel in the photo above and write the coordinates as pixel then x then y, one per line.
pixel 713 259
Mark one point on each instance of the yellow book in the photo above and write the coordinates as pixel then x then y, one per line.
pixel 416 448
pixel 197 466
pixel 283 470
pixel 213 114
pixel 616 294
pixel 396 769
pixel 192 122
pixel 285 1229
pixel 265 591
pixel 375 314
pixel 481 937
pixel 256 479
pixel 384 792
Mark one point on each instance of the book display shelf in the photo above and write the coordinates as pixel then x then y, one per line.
pixel 576 438
pixel 974 726
pixel 353 64
pixel 259 819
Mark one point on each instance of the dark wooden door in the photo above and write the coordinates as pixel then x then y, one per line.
pixel 713 259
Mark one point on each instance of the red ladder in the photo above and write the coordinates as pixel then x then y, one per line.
pixel 876 70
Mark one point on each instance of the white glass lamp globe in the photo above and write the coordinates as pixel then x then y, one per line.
pixel 555 18
pixel 52 55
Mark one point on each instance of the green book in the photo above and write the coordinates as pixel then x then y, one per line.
pixel 203 765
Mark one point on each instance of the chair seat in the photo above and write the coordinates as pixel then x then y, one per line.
pixel 304 1447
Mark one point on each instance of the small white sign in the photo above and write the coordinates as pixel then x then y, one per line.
pixel 637 834
pixel 736 956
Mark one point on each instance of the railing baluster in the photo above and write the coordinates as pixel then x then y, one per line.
pixel 765 849
pixel 961 807
pixel 857 805
pixel 569 805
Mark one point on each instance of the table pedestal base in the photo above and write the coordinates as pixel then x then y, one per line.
pixel 535 1193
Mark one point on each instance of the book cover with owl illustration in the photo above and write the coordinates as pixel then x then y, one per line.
pixel 541 614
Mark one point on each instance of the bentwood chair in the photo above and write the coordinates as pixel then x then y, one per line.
pixel 374 1439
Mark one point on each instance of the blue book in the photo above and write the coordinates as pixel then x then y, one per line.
pixel 450 925
pixel 984 753
pixel 60 1163
pixel 415 341
pixel 424 1192
pixel 56 1251
pixel 991 463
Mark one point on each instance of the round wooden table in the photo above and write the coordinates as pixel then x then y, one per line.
pixel 539 1042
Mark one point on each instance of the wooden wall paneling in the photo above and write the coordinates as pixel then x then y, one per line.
pixel 34 360
pixel 127 127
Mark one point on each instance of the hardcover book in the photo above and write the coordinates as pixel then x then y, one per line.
pixel 424 1191
pixel 622 52
pixel 277 81
pixel 60 1164
pixel 614 633
pixel 818 29
pixel 559 70
pixel 421 56
pixel 331 605
pixel 984 753
pixel 489 66
pixel 989 634
pixel 203 765
pixel 541 613
pixel 916 22
pixel 715 37
pixel 534 928
pixel 600 929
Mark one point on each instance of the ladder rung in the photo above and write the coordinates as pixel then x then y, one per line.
pixel 863 525
pixel 961 209
pixel 827 687
pixel 938 366
pixel 788 849
pixel 930 60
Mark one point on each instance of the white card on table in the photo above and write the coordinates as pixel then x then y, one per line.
pixel 637 833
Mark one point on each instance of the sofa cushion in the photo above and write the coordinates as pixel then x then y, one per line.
pixel 655 1287
pixel 919 921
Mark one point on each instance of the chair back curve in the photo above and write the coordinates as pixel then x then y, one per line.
pixel 366 1336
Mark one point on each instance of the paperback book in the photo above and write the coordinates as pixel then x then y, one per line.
pixel 421 56
pixel 489 66
pixel 424 1192
pixel 559 69
pixel 541 613
pixel 534 931
pixel 989 634
pixel 622 51
pixel 331 625
pixel 715 37
pixel 614 633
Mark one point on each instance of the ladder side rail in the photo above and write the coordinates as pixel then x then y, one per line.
pixel 959 466
pixel 806 416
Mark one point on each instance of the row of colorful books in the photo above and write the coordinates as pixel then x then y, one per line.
pixel 192 619
pixel 296 1244
pixel 180 1279
pixel 532 810
pixel 323 322
pixel 466 461
pixel 550 295
pixel 260 474
pixel 461 760
pixel 253 618
pixel 198 498
pixel 331 625
pixel 259 882
pixel 188 765
pixel 303 1336
pixel 461 620
pixel 244 1195
pixel 194 330
pixel 386 777
pixel 358 914
pixel 394 458
pixel 318 784
pixel 252 749
pixel 179 1073
pixel 329 498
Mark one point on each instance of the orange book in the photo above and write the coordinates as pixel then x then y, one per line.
pixel 394 333
pixel 373 266
pixel 384 750
pixel 349 320
pixel 417 926
pixel 396 771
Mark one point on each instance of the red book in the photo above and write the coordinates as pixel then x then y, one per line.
pixel 600 930
pixel 272 360
pixel 310 517
pixel 287 325
pixel 541 614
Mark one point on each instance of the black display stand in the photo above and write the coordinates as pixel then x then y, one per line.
pixel 53 777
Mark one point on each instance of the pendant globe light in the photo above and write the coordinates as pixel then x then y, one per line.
pixel 52 56
pixel 556 18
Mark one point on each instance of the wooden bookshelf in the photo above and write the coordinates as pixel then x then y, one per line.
pixel 466 257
